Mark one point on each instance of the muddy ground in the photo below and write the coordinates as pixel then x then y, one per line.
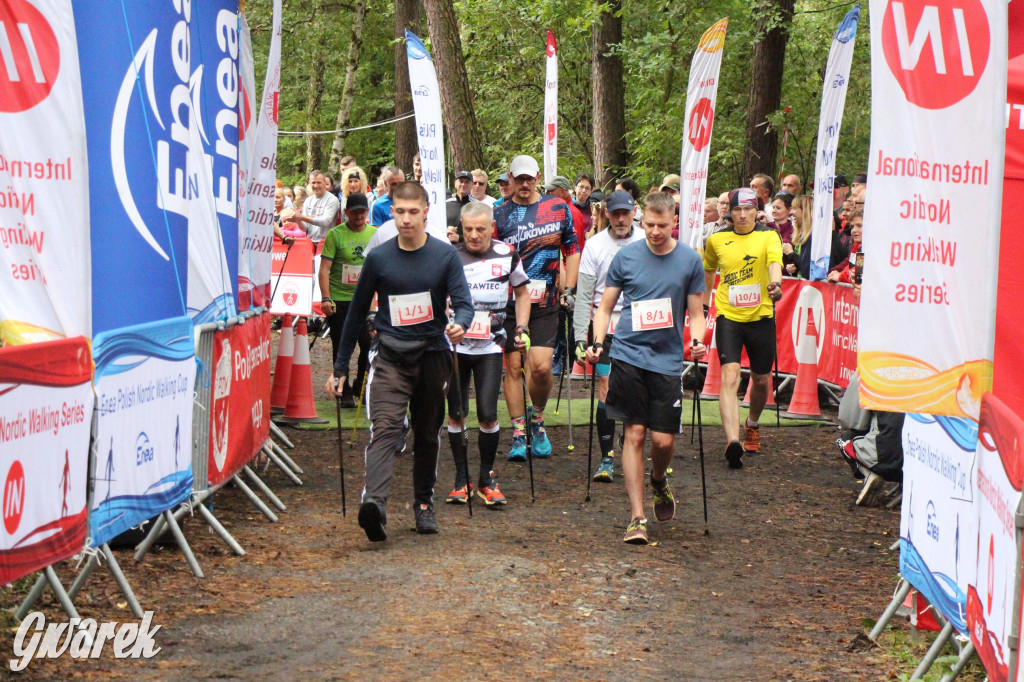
pixel 542 589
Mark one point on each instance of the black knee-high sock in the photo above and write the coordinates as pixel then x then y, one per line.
pixel 459 455
pixel 605 429
pixel 488 444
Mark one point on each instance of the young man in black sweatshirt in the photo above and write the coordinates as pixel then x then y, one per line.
pixel 411 358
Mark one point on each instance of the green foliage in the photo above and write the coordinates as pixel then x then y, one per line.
pixel 503 44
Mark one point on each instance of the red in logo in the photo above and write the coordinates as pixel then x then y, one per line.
pixel 290 294
pixel 495 269
pixel 14 497
pixel 29 56
pixel 702 118
pixel 244 112
pixel 936 49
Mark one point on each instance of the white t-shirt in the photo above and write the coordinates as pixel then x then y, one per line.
pixel 597 257
pixel 488 199
pixel 323 211
pixel 384 232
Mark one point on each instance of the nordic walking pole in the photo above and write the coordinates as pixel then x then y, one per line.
pixel 359 406
pixel 529 426
pixel 778 421
pixel 461 418
pixel 700 437
pixel 280 274
pixel 566 367
pixel 341 458
pixel 693 410
pixel 590 441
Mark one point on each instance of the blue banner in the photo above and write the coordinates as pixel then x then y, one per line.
pixel 143 465
pixel 135 66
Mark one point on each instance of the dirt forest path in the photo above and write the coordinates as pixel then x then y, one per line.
pixel 542 590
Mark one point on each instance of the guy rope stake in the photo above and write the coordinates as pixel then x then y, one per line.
pixel 341 458
pixel 700 438
pixel 461 418
pixel 529 426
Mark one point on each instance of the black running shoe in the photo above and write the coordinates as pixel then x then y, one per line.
pixel 426 523
pixel 371 520
pixel 734 454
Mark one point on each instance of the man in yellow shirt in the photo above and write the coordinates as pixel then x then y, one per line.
pixel 749 258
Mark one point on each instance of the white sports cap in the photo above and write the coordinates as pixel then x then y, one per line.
pixel 524 165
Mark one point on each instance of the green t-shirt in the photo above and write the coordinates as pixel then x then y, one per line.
pixel 345 248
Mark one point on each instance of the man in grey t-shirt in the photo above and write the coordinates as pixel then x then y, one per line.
pixel 660 281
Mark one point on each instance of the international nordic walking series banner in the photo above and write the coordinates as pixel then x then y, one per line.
pixel 551 109
pixel 991 591
pixel 135 86
pixel 935 187
pixel 830 123
pixel 213 161
pixel 937 548
pixel 44 202
pixel 46 404
pixel 144 382
pixel 240 412
pixel 701 99
pixel 257 185
pixel 426 102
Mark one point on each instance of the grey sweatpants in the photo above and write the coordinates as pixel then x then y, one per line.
pixel 391 390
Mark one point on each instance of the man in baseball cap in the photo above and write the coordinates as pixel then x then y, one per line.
pixel 670 184
pixel 505 187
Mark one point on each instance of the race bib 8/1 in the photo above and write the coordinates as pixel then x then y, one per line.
pixel 410 309
pixel 350 273
pixel 653 314
pixel 481 327
pixel 537 289
pixel 745 295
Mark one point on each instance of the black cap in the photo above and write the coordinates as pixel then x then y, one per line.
pixel 356 201
pixel 861 178
pixel 463 175
pixel 840 181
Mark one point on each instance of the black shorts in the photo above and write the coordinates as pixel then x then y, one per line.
pixel 758 337
pixel 543 327
pixel 640 396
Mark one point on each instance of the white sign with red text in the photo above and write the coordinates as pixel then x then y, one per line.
pixel 701 97
pixel 45 288
pixel 551 110
pixel 936 188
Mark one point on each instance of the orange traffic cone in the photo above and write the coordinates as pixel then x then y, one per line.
pixel 301 407
pixel 713 374
pixel 746 398
pixel 582 369
pixel 283 367
pixel 804 404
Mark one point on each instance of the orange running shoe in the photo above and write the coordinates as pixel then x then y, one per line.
pixel 458 496
pixel 491 495
pixel 752 441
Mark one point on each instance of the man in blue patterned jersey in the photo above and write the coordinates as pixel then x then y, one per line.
pixel 492 267
pixel 540 229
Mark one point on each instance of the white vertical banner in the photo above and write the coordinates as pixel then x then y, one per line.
pixel 259 156
pixel 551 110
pixel 701 98
pixel 938 126
pixel 833 101
pixel 45 273
pixel 426 102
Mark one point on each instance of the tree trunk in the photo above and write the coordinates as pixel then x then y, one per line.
pixel 407 16
pixel 609 95
pixel 314 146
pixel 766 86
pixel 349 90
pixel 459 118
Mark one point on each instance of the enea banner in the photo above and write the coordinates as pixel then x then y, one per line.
pixel 135 72
pixel 937 548
pixel 1009 370
pixel 213 161
pixel 44 191
pixel 991 592
pixel 551 110
pixel 701 98
pixel 426 102
pixel 830 123
pixel 143 463
pixel 240 417
pixel 293 278
pixel 46 404
pixel 257 214
pixel 938 121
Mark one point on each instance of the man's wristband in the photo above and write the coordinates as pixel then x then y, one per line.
pixel 326 299
pixel 520 329
pixel 598 345
pixel 776 284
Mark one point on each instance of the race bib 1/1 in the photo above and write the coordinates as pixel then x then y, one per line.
pixel 410 309
pixel 653 314
pixel 481 327
pixel 350 273
pixel 614 322
pixel 745 295
pixel 537 289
